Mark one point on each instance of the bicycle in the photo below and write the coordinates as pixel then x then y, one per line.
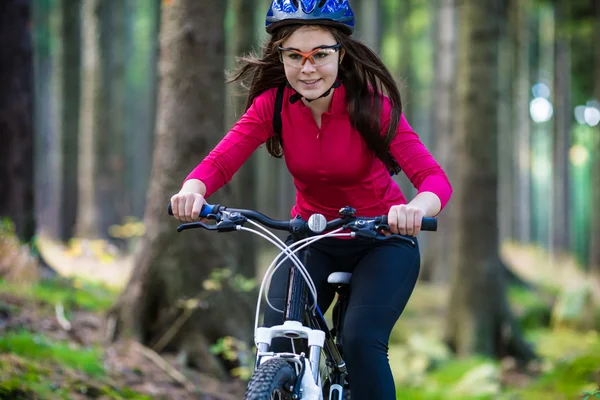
pixel 291 376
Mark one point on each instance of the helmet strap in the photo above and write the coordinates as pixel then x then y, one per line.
pixel 297 96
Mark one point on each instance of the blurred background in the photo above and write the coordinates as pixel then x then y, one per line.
pixel 107 105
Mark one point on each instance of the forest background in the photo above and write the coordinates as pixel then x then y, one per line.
pixel 106 105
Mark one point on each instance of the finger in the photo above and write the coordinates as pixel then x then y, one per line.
pixel 189 206
pixel 402 220
pixel 178 208
pixel 410 221
pixel 418 221
pixel 196 208
pixel 393 219
pixel 174 206
pixel 181 208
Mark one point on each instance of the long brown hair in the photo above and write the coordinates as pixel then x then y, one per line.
pixel 362 72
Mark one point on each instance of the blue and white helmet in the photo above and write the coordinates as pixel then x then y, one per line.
pixel 336 13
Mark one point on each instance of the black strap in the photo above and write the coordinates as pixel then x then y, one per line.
pixel 277 110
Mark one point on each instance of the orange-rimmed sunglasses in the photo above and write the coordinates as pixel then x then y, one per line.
pixel 319 56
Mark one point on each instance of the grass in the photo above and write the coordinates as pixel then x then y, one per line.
pixel 72 294
pixel 570 356
pixel 33 366
pixel 40 348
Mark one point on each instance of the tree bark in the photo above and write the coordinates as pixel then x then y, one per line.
pixel 66 68
pixel 171 268
pixel 595 225
pixel 245 182
pixel 91 123
pixel 506 136
pixel 436 265
pixel 562 131
pixel 522 149
pixel 404 10
pixel 141 98
pixel 116 204
pixel 479 318
pixel 42 105
pixel 16 117
pixel 369 23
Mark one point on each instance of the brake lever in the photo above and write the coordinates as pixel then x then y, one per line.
pixel 394 236
pixel 375 230
pixel 224 223
pixel 195 225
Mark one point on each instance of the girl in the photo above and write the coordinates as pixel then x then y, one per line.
pixel 340 130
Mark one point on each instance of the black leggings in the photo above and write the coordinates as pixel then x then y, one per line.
pixel 383 277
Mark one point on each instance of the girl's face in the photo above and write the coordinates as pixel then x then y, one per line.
pixel 311 67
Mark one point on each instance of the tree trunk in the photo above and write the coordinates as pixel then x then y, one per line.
pixel 436 265
pixel 541 138
pixel 506 136
pixel 42 78
pixel 406 78
pixel 522 149
pixel 171 268
pixel 16 117
pixel 141 97
pixel 562 131
pixel 479 318
pixel 92 122
pixel 369 23
pixel 66 67
pixel 595 225
pixel 245 182
pixel 114 40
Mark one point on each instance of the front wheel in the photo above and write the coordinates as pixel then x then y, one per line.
pixel 272 380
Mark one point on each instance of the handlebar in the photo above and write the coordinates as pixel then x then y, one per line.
pixel 233 218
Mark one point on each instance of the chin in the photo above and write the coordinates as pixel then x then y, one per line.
pixel 310 94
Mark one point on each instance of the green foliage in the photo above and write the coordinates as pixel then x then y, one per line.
pixel 570 366
pixel 235 351
pixel 23 378
pixel 570 378
pixel 221 276
pixel 587 394
pixel 87 296
pixel 468 378
pixel 39 347
pixel 454 370
pixel 131 228
pixel 533 311
pixel 7 227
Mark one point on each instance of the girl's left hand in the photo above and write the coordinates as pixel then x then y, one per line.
pixel 405 219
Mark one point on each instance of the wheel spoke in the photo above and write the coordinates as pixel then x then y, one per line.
pixel 276 395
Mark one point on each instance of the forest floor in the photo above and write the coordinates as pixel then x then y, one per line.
pixel 53 334
pixel 52 338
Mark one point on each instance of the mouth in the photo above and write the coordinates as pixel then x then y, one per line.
pixel 310 82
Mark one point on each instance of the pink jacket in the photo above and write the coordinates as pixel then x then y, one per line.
pixel 331 166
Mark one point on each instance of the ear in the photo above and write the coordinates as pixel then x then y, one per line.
pixel 342 54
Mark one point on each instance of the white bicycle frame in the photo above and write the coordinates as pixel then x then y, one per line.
pixel 311 383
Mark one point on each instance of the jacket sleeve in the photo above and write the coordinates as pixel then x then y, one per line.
pixel 416 161
pixel 251 130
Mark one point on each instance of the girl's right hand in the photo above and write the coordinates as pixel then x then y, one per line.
pixel 186 205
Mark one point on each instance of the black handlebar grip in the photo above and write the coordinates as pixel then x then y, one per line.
pixel 170 209
pixel 427 224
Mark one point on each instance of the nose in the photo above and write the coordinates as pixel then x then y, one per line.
pixel 308 67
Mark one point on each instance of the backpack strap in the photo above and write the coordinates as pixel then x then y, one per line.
pixel 277 111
